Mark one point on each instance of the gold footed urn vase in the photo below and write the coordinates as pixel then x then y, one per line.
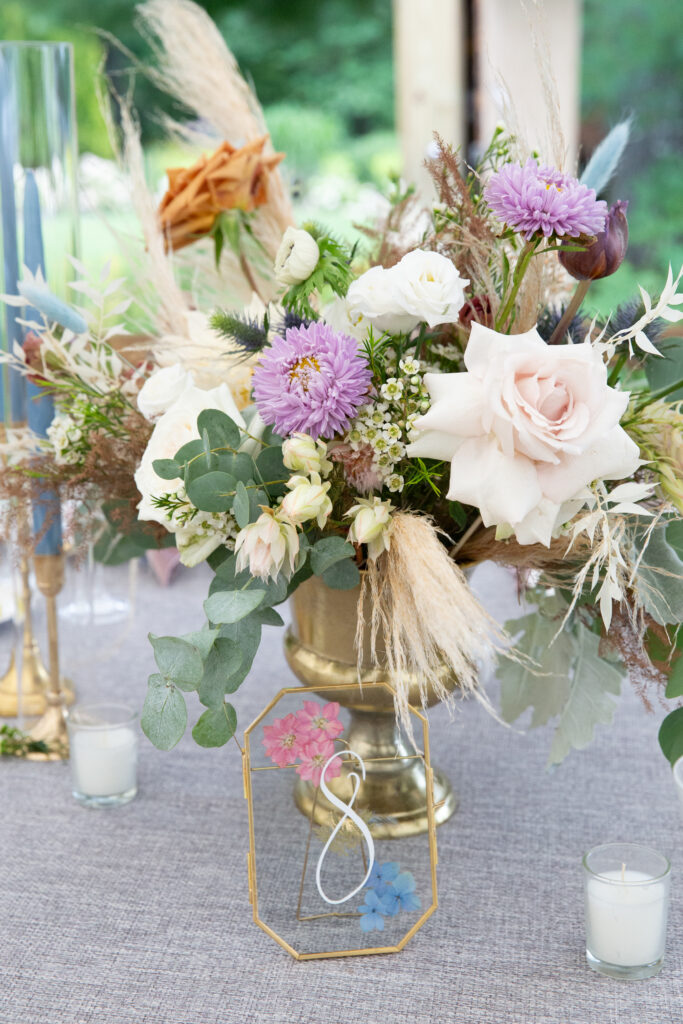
pixel 320 650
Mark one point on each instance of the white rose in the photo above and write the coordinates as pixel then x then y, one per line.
pixel 302 454
pixel 525 429
pixel 371 525
pixel 264 545
pixel 296 257
pixel 173 429
pixel 307 499
pixel 162 389
pixel 375 297
pixel 429 287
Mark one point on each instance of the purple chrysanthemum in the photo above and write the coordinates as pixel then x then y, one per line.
pixel 313 380
pixel 541 200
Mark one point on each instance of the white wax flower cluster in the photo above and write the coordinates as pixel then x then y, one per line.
pixel 424 287
pixel 386 426
pixel 64 435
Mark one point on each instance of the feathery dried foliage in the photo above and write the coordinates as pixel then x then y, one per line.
pixel 195 66
pixel 431 627
pixel 394 234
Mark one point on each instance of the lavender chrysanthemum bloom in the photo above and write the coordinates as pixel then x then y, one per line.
pixel 313 380
pixel 541 200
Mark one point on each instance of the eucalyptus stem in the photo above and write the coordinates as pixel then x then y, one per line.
pixel 654 396
pixel 569 313
pixel 517 277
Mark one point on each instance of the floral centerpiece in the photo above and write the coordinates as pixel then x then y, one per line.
pixel 447 405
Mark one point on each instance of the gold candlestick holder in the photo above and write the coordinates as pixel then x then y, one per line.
pixel 24 693
pixel 51 728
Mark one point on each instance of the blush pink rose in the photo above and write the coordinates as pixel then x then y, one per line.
pixel 525 429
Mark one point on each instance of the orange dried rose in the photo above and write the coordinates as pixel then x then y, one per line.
pixel 230 179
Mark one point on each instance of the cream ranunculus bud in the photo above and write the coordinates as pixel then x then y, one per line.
pixel 263 546
pixel 307 499
pixel 371 525
pixel 297 256
pixel 302 454
pixel 162 389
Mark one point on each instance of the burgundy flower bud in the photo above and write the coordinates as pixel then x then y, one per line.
pixel 32 345
pixel 477 310
pixel 606 253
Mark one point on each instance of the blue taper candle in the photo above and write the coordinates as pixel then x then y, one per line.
pixel 13 333
pixel 47 520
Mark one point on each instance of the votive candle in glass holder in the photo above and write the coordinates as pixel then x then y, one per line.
pixel 627 904
pixel 103 749
pixel 678 779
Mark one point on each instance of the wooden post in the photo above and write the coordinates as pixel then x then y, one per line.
pixel 429 65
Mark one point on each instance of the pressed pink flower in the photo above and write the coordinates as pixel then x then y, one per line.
pixel 283 740
pixel 359 465
pixel 319 722
pixel 314 755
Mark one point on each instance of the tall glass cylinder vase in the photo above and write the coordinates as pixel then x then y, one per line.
pixel 38 143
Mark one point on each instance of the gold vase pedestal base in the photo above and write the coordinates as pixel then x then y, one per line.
pixel 320 650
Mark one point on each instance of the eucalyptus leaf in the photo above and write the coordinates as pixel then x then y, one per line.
pixel 671 736
pixel 223 661
pixel 202 639
pixel 257 497
pixel 190 450
pixel 268 617
pixel 342 575
pixel 213 492
pixel 240 506
pixel 221 431
pixel 216 726
pixel 164 713
pixel 247 635
pixel 167 469
pixel 660 579
pixel 272 471
pixel 666 368
pixel 229 606
pixel 590 702
pixel 178 660
pixel 674 686
pixel 328 551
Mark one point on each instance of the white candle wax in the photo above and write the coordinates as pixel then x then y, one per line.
pixel 626 924
pixel 103 761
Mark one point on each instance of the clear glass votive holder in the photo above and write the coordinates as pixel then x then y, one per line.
pixel 678 779
pixel 103 750
pixel 627 903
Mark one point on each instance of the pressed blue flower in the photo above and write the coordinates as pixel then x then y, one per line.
pixel 400 895
pixel 371 913
pixel 382 875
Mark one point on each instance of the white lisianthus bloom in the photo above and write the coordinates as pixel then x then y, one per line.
pixel 307 499
pixel 339 315
pixel 173 429
pixel 429 287
pixel 263 546
pixel 162 389
pixel 371 525
pixel 374 297
pixel 296 257
pixel 302 454
pixel 525 429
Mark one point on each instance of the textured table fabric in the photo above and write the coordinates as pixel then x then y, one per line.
pixel 141 914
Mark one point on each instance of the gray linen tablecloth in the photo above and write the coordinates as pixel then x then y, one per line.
pixel 141 914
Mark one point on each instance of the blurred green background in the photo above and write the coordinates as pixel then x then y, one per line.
pixel 323 72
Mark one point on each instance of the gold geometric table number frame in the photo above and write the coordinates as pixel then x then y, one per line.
pixel 284 846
